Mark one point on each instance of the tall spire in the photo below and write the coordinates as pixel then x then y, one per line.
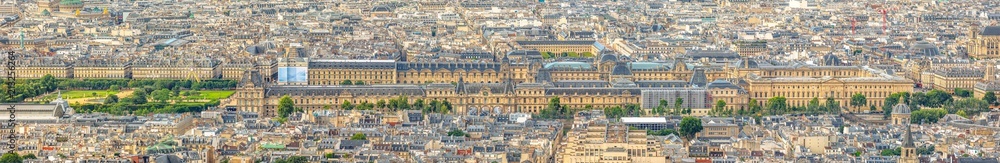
pixel 908 140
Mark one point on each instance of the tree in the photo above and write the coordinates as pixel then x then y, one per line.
pixel 858 100
pixel 690 126
pixel 631 109
pixel 293 159
pixel 285 106
pixel 327 107
pixel 962 113
pixel 380 103
pixel 927 115
pixel 402 103
pixel 891 152
pixel 419 104
pixel 962 92
pixel 936 98
pixel 29 156
pixel 444 107
pixel 328 155
pixel 196 86
pixel 776 105
pixel 554 104
pixel 161 95
pixel 754 107
pixel 359 136
pixel 832 105
pixel 813 105
pixel 139 96
pixel 346 105
pixel 346 82
pixel 719 109
pixel 10 158
pixel 359 82
pixel 990 98
pixel 114 88
pixel 971 106
pixel 48 83
pixel 111 99
pixel 926 150
pixel 677 105
pixel 457 132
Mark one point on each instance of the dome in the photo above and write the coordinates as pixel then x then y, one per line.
pixel 900 109
pixel 608 58
pixel 925 48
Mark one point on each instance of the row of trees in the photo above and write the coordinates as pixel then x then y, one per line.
pixel 779 105
pixel 35 87
pixel 139 103
pixel 939 99
pixel 123 108
pixel 16 158
pixel 664 108
pixel 400 103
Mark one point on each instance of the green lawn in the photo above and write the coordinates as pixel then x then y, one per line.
pixel 80 94
pixel 211 95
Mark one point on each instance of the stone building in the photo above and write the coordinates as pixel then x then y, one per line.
pixel 984 43
pixel 799 84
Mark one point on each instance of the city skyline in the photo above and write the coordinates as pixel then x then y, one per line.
pixel 569 81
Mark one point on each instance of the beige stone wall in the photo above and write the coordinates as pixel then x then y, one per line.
pixel 335 76
pixel 35 72
pixel 99 72
pixel 800 93
pixel 948 84
pixel 172 73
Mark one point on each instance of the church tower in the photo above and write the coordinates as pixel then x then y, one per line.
pixel 908 154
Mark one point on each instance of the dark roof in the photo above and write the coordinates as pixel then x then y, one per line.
pixel 609 58
pixel 977 160
pixel 409 90
pixel 831 60
pixel 621 69
pixel 351 65
pixel 580 83
pixel 252 76
pixel 991 31
pixel 525 53
pixel 719 83
pixel 661 83
pixel 714 54
pixel 592 91
pixel 699 78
